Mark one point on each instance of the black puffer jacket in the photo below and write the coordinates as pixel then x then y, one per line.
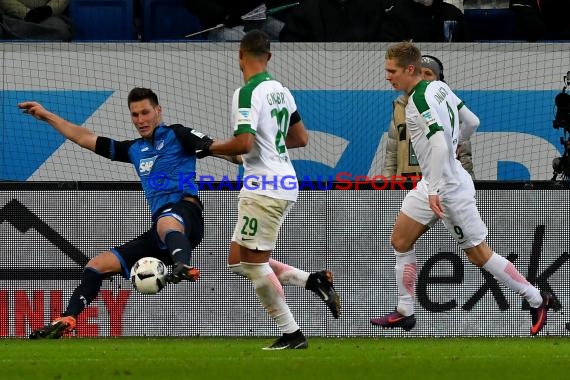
pixel 408 20
pixel 334 21
pixel 542 19
pixel 227 12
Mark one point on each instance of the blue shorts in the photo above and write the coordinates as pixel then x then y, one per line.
pixel 149 245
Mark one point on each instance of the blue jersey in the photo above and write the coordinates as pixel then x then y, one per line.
pixel 166 165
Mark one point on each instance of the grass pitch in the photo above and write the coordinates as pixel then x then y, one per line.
pixel 326 358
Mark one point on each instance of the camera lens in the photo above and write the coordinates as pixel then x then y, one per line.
pixel 556 164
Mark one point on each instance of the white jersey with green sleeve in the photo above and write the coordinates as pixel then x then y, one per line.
pixel 263 107
pixel 432 118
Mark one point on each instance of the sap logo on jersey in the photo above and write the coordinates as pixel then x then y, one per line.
pixel 145 165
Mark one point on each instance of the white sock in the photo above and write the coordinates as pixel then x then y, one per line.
pixel 286 274
pixel 289 275
pixel 506 273
pixel 270 293
pixel 406 280
pixel 236 268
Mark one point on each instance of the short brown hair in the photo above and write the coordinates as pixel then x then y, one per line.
pixel 138 93
pixel 405 54
pixel 255 42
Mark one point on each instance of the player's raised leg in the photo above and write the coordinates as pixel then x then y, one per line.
pixel 506 273
pixel 320 283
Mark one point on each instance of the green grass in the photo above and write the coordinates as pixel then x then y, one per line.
pixel 328 359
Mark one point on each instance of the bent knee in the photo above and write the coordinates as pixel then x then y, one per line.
pixel 476 260
pixel 401 243
pixel 479 255
pixel 105 262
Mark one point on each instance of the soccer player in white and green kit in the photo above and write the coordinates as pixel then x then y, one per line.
pixel 266 124
pixel 445 192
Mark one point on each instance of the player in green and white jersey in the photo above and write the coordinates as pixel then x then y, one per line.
pixel 445 192
pixel 266 124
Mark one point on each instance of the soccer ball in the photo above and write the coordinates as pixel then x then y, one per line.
pixel 148 275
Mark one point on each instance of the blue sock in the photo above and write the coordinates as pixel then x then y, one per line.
pixel 85 293
pixel 179 246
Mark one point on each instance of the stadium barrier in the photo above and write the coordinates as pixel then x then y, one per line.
pixel 49 230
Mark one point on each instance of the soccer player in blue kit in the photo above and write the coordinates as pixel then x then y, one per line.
pixel 177 221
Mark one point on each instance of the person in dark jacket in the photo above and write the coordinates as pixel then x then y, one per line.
pixel 334 21
pixel 228 13
pixel 35 20
pixel 542 19
pixel 423 21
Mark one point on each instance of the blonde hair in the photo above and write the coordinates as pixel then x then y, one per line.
pixel 405 54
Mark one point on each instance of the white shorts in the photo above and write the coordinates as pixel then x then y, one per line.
pixel 461 217
pixel 259 221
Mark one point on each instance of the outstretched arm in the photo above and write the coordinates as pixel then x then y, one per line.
pixel 79 135
pixel 239 144
pixel 233 159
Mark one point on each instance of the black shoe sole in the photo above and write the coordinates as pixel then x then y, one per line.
pixel 49 332
pixel 290 346
pixel 334 305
